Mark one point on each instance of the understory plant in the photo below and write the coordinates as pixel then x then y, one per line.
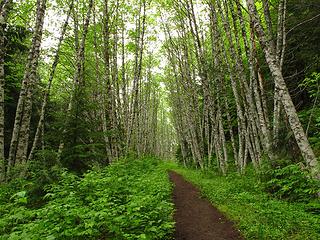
pixel 291 182
pixel 128 200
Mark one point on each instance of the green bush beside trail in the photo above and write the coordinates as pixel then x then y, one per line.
pixel 130 199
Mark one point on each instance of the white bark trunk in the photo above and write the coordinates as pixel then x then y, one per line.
pixel 20 135
pixel 47 92
pixel 3 20
pixel 285 97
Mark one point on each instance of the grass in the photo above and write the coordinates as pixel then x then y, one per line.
pixel 257 215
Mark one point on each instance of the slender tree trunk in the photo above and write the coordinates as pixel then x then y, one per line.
pixel 110 76
pixel 240 114
pixel 2 85
pixel 280 50
pixel 116 104
pixel 78 77
pixel 47 92
pixel 285 97
pixel 20 135
pixel 140 42
pixel 125 95
pixel 4 10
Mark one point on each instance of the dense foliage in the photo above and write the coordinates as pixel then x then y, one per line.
pixel 231 86
pixel 290 182
pixel 128 200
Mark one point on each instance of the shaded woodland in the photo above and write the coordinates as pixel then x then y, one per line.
pixel 240 83
pixel 224 86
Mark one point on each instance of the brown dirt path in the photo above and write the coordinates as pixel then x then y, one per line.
pixel 196 218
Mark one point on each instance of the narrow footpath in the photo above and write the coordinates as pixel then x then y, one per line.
pixel 196 218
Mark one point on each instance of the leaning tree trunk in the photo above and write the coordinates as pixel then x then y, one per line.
pixel 47 92
pixel 285 97
pixel 223 53
pixel 23 142
pixel 20 135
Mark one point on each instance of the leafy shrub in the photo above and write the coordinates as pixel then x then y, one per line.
pixel 128 200
pixel 290 182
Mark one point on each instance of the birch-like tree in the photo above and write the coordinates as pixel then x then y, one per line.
pixel 21 129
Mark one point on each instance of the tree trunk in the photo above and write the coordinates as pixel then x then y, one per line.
pixel 79 63
pixel 47 92
pixel 140 42
pixel 20 135
pixel 5 7
pixel 285 97
pixel 280 50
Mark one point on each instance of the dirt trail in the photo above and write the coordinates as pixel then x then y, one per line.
pixel 196 218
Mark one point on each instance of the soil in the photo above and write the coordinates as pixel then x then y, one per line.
pixel 196 218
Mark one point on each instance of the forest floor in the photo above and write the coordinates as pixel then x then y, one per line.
pixel 195 217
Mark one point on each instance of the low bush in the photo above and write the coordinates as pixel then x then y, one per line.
pixel 291 182
pixel 130 199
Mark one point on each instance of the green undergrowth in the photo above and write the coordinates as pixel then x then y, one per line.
pixel 130 199
pixel 258 215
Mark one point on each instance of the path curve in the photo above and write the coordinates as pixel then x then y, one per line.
pixel 196 218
